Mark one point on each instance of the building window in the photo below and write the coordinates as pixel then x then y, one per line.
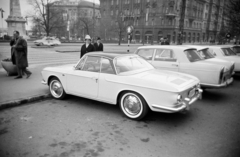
pixel 117 2
pixel 111 2
pixel 112 12
pixel 116 12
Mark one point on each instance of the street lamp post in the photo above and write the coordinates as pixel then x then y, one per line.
pixel 152 30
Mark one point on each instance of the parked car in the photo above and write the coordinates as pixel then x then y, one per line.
pixel 186 60
pixel 204 52
pixel 124 79
pixel 50 41
pixel 225 52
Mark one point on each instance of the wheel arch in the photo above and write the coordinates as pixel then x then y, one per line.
pixel 51 77
pixel 128 90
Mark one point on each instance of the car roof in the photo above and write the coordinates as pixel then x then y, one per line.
pixel 110 55
pixel 181 47
pixel 220 46
pixel 198 47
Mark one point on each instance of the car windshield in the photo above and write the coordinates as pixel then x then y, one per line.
pixel 193 55
pixel 228 52
pixel 205 53
pixel 131 64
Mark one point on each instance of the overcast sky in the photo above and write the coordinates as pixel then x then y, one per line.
pixel 25 7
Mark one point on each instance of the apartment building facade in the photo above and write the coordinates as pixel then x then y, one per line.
pixel 154 19
pixel 75 11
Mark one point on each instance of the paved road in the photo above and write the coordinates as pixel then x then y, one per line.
pixel 78 127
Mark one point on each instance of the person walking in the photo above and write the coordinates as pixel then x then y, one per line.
pixel 87 47
pixel 19 55
pixel 98 45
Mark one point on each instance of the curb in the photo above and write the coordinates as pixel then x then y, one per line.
pixel 42 46
pixel 19 102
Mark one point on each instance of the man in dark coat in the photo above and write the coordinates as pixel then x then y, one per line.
pixel 98 45
pixel 19 54
pixel 87 47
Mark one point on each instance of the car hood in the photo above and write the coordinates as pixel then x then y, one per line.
pixel 217 61
pixel 62 69
pixel 165 80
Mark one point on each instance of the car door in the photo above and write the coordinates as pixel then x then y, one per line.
pixel 83 81
pixel 107 86
pixel 146 53
pixel 165 59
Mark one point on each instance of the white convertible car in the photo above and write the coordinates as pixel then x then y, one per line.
pixel 49 41
pixel 124 79
pixel 187 60
pixel 225 52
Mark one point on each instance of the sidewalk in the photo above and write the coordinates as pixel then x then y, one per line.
pixel 18 91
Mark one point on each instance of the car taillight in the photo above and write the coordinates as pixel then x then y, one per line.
pixel 221 75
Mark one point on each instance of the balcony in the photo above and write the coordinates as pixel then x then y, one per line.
pixel 171 15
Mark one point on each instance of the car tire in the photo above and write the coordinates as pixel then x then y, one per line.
pixel 56 89
pixel 135 111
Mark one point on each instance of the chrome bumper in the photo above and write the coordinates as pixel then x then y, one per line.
pixel 184 105
pixel 224 84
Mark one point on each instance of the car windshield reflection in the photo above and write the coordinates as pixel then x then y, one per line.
pixel 131 64
pixel 228 52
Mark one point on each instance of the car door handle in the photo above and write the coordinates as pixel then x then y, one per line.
pixel 94 78
pixel 176 65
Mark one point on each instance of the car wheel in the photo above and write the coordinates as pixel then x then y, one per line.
pixel 56 89
pixel 133 105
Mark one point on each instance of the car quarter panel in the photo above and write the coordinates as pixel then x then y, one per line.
pixel 206 73
pixel 110 86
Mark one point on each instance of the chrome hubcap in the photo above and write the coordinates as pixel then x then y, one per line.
pixel 132 104
pixel 56 89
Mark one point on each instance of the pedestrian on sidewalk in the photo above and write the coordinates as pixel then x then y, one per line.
pixel 98 45
pixel 87 47
pixel 19 54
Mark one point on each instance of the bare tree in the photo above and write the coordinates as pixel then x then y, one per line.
pixel 48 16
pixel 120 28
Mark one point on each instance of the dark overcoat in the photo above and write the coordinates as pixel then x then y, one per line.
pixel 85 49
pixel 19 52
pixel 98 47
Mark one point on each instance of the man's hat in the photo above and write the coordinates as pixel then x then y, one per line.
pixel 98 38
pixel 87 37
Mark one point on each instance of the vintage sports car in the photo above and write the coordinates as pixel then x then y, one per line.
pixel 186 60
pixel 225 52
pixel 124 79
pixel 49 41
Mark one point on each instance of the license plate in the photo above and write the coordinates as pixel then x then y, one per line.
pixel 191 93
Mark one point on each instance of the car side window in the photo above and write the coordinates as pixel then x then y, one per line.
pixel 165 55
pixel 107 66
pixel 92 64
pixel 146 53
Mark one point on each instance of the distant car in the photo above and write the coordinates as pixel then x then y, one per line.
pixel 50 41
pixel 225 52
pixel 124 79
pixel 187 60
